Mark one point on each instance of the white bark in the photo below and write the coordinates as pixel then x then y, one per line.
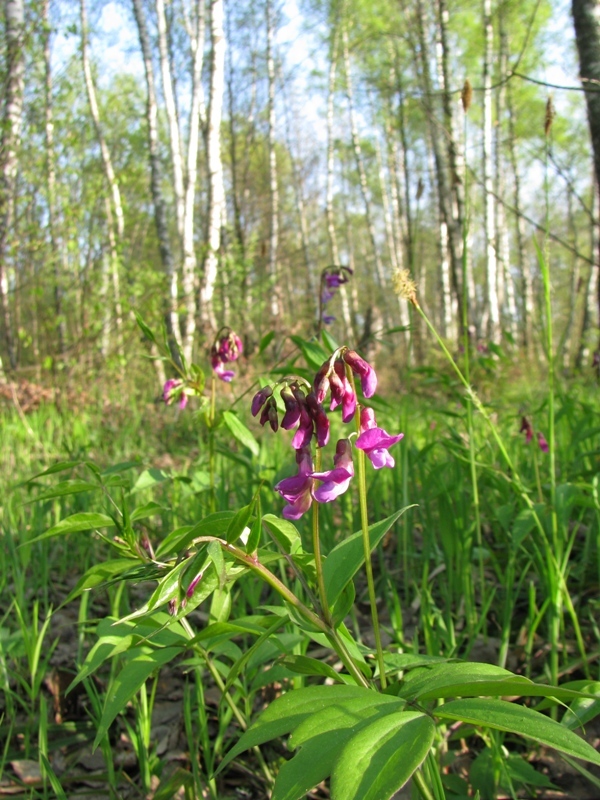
pixel 273 184
pixel 115 234
pixel 171 109
pixel 489 218
pixel 215 164
pixel 196 113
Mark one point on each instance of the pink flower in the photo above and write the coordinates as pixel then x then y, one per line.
pixel 292 409
pixel 526 429
pixel 368 377
pixel 260 398
pixel 375 441
pixel 297 489
pixel 218 366
pixel 173 389
pixel 342 392
pixel 336 480
pixel 542 442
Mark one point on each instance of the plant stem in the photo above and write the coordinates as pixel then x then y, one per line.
pixel 364 520
pixel 317 551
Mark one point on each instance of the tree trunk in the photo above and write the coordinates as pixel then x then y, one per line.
pixel 215 164
pixel 115 234
pixel 160 212
pixel 274 189
pixel 488 185
pixel 9 148
pixel 331 233
pixel 586 16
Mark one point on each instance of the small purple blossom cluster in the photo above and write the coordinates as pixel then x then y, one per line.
pixel 303 405
pixel 226 348
pixel 173 389
pixel 528 431
pixel 331 280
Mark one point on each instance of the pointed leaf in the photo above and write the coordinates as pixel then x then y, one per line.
pixel 84 521
pixel 284 533
pixel 524 721
pixel 285 713
pixel 344 561
pixel 379 760
pixel 239 431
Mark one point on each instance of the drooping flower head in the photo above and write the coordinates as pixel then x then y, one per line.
pixel 542 442
pixel 227 347
pixel 374 441
pixel 296 491
pixel 526 429
pixel 336 480
pixel 366 373
pixel 172 390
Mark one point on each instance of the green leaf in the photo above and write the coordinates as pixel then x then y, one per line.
pixel 216 556
pixel 60 466
pixel 344 561
pixel 65 488
pixel 148 478
pixel 583 709
pixel 288 711
pixel 142 663
pixel 283 532
pixel 266 341
pixel 215 524
pixel 101 573
pixel 328 340
pixel 239 523
pixel 314 354
pixel 321 738
pixel 524 721
pixel 49 773
pixel 240 432
pixel 380 758
pixel 147 510
pixel 144 328
pixel 304 665
pixel 84 521
pixel 460 680
pixel 254 537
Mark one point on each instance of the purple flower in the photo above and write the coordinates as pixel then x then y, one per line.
pixel 260 398
pixel 292 409
pixel 368 378
pixel 269 414
pixel 526 429
pixel 218 366
pixel 542 442
pixel 230 347
pixel 171 390
pixel 304 433
pixel 375 441
pixel 320 418
pixel 342 392
pixel 321 382
pixel 326 296
pixel 296 491
pixel 336 480
pixel 328 319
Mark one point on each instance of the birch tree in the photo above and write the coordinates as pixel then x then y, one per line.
pixel 491 261
pixel 12 113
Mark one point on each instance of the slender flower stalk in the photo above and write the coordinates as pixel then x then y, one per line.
pixel 317 553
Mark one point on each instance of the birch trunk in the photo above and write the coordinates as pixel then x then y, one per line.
pixel 528 307
pixel 160 212
pixel 115 234
pixel 379 273
pixel 9 148
pixel 215 164
pixel 274 189
pixel 331 232
pixel 489 218
pixel 51 185
pixel 196 114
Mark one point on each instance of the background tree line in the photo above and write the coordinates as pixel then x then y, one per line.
pixel 212 181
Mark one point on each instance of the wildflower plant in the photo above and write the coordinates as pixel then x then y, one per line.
pixel 383 716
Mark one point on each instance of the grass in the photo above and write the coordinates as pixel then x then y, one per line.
pixel 518 580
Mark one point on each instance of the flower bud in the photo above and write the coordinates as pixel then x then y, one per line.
pixel 368 378
pixel 260 399
pixel 292 409
pixel 321 383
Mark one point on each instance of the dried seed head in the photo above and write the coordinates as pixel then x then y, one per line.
pixel 550 114
pixel 404 286
pixel 466 95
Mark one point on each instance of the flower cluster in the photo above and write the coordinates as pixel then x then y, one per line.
pixel 331 280
pixel 304 410
pixel 226 348
pixel 174 389
pixel 528 431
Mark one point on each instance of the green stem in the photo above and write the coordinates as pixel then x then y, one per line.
pixel 364 520
pixel 316 540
